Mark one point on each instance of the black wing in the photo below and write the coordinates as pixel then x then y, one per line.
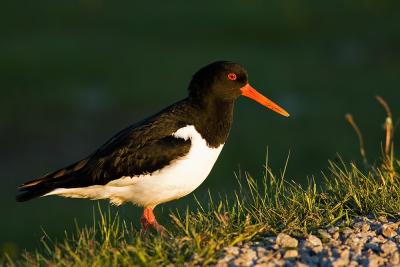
pixel 139 149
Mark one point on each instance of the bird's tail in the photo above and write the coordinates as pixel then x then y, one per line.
pixel 34 188
pixel 46 184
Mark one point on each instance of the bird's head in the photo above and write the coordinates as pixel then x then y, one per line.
pixel 227 81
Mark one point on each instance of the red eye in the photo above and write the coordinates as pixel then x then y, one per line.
pixel 232 76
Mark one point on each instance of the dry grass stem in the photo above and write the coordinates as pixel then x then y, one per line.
pixel 350 119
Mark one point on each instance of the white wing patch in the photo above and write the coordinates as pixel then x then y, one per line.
pixel 181 177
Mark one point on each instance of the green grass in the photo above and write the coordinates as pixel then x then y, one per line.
pixel 259 207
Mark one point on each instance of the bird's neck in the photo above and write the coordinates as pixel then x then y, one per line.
pixel 214 120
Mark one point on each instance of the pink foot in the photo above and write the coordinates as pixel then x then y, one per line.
pixel 149 220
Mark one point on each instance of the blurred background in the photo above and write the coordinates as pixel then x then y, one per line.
pixel 73 73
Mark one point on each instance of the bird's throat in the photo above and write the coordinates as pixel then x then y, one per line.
pixel 216 120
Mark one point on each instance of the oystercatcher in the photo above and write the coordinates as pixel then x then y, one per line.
pixel 163 157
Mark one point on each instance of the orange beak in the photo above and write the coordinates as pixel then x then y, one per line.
pixel 252 93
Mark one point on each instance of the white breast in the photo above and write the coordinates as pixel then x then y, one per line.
pixel 176 180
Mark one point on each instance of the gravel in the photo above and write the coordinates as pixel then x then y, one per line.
pixel 365 242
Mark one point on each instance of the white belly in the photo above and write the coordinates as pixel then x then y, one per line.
pixel 176 180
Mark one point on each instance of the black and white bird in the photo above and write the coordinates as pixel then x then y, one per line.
pixel 163 157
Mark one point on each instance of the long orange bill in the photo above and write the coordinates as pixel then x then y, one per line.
pixel 252 93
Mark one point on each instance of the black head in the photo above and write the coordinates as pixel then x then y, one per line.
pixel 222 80
pixel 225 81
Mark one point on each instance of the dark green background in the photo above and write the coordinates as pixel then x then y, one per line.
pixel 72 73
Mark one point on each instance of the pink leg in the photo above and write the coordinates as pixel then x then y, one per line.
pixel 149 220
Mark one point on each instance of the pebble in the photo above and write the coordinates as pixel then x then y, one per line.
pixel 313 243
pixel 324 234
pixel 389 247
pixel 361 226
pixel 389 229
pixel 333 229
pixel 340 263
pixel 347 231
pixel 246 258
pixel 368 242
pixel 286 241
pixel 395 258
pixel 289 254
pixel 335 235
